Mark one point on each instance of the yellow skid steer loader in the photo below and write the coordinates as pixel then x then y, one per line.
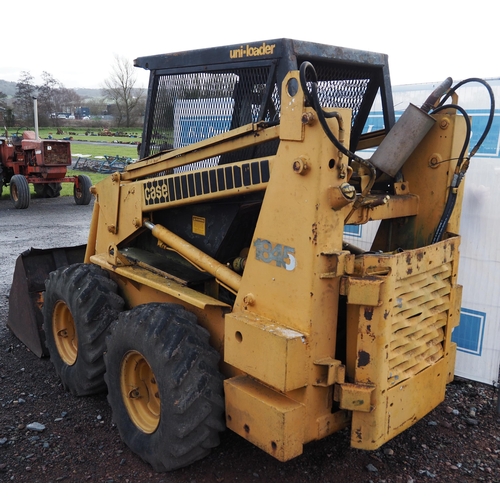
pixel 217 290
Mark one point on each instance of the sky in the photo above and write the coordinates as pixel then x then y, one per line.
pixel 78 42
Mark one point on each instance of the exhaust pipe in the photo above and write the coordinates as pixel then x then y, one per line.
pixel 35 112
pixel 402 140
pixel 407 133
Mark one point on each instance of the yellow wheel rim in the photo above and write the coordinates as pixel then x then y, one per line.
pixel 64 331
pixel 13 191
pixel 140 392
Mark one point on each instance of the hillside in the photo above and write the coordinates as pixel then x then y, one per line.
pixel 9 89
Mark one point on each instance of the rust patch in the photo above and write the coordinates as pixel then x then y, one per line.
pixel 369 332
pixel 363 358
pixel 358 402
pixel 315 233
pixel 386 314
pixel 368 278
pixel 359 435
pixel 413 419
pixel 409 271
pixel 420 255
pixel 368 314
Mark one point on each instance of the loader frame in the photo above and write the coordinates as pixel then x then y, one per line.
pixel 240 220
pixel 287 300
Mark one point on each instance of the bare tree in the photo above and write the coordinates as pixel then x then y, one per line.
pixel 70 98
pixel 6 111
pixel 23 99
pixel 53 98
pixel 3 102
pixel 48 99
pixel 96 106
pixel 119 87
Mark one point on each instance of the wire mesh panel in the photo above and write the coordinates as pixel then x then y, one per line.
pixel 347 86
pixel 342 87
pixel 193 107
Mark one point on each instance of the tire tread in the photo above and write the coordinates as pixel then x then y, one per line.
pixel 189 382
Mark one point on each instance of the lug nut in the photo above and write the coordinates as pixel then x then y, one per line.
pixel 445 123
pixel 300 166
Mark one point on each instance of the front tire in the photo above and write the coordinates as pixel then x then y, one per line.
pixel 82 194
pixel 80 302
pixel 19 191
pixel 164 387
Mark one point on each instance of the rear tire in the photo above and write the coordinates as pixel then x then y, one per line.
pixel 164 386
pixel 50 190
pixel 80 302
pixel 82 194
pixel 19 191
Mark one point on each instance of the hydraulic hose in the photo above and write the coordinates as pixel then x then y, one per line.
pixel 462 163
pixel 313 99
pixel 492 108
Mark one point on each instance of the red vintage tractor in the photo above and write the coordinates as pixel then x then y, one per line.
pixel 26 159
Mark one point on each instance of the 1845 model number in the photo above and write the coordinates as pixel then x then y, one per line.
pixel 281 255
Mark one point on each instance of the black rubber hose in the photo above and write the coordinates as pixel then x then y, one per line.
pixel 459 174
pixel 448 210
pixel 492 108
pixel 457 178
pixel 313 99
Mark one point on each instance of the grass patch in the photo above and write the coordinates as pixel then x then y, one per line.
pixel 67 187
pixel 80 148
pixel 88 134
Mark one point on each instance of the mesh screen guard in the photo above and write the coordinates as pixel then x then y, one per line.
pixel 189 102
pixel 195 106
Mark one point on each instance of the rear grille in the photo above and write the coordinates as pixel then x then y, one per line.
pixel 56 153
pixel 419 318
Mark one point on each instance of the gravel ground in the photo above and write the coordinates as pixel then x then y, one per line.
pixel 47 435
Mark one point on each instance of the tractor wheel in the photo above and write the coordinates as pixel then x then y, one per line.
pixel 39 190
pixel 164 386
pixel 80 302
pixel 83 195
pixel 19 191
pixel 50 190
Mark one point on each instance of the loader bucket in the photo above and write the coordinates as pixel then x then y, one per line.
pixel 26 294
